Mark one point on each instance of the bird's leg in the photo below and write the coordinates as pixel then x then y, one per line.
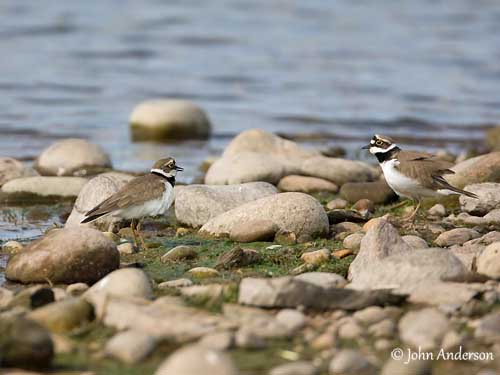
pixel 412 216
pixel 143 244
pixel 404 202
pixel 132 228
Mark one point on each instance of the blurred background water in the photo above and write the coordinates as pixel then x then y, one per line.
pixel 427 71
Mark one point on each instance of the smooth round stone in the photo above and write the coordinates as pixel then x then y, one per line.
pixel 65 256
pixel 415 242
pixel 178 253
pixel 196 360
pixel 63 316
pixel 323 279
pixel 316 257
pixel 254 230
pixel 11 168
pixel 91 194
pixel 130 346
pixel 203 272
pixel 364 205
pixel 126 282
pixel 377 192
pixel 76 289
pixel 305 184
pixel 69 156
pixel 353 241
pixel 25 343
pixel 126 248
pixel 166 119
pixel 488 262
pixel 484 168
pixel 178 283
pixel 65 187
pixel 350 361
pixel 336 204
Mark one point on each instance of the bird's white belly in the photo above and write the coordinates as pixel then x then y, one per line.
pixel 151 208
pixel 403 185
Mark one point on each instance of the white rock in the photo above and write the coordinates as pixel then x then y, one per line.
pixel 489 198
pixel 11 169
pixel 163 119
pixel 456 236
pixel 292 319
pixel 197 204
pixel 196 360
pixel 353 241
pixel 423 328
pixel 131 346
pixel 46 186
pixel 245 167
pixel 437 210
pixel 323 279
pixel 94 192
pixel 349 361
pixel 69 156
pixel 415 242
pixel 488 262
pixel 298 213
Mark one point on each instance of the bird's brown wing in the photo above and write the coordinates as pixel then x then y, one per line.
pixel 423 167
pixel 137 191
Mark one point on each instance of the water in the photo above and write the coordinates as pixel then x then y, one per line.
pixel 344 68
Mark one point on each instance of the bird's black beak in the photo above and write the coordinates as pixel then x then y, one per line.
pixel 367 147
pixel 177 168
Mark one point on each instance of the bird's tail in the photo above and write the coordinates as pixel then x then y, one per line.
pixel 447 186
pixel 91 218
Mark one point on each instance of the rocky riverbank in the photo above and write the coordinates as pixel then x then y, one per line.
pixel 285 262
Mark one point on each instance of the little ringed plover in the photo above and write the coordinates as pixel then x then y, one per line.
pixel 148 195
pixel 411 174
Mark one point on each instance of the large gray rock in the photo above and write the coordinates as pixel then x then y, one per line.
pixel 292 292
pixel 24 343
pixel 423 328
pixel 376 191
pixel 196 360
pixel 70 157
pixel 166 119
pixel 42 186
pixel 488 262
pixel 245 167
pixel 443 293
pixel 65 256
pixel 12 168
pixel 338 171
pixel 385 260
pixel 323 279
pixel 484 168
pixel 489 198
pixel 94 192
pixel 293 212
pixel 381 241
pixel 197 204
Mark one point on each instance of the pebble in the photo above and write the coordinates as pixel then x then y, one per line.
pixel 353 241
pixel 415 242
pixel 339 254
pixel 178 283
pixel 350 330
pixel 350 362
pixel 196 360
pixel 179 253
pixel 76 289
pixel 385 328
pixel 203 272
pixel 218 340
pixel 456 236
pixel 253 231
pixel 437 210
pixel 337 203
pixel 305 184
pixel 295 368
pixel 323 279
pixel 364 206
pixel 317 257
pixel 423 328
pixel 130 347
pixel 292 319
pixel 126 248
pixel 370 315
pixel 488 262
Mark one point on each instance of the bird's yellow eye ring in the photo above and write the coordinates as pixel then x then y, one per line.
pixel 379 143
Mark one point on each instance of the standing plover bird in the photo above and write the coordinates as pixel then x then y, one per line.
pixel 411 174
pixel 148 195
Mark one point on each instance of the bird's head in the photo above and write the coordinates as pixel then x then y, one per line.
pixel 380 144
pixel 166 167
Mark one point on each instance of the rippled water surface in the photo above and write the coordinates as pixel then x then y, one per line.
pixel 347 68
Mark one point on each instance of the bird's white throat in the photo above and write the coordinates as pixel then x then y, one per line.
pixel 171 174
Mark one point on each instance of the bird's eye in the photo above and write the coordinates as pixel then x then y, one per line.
pixel 379 143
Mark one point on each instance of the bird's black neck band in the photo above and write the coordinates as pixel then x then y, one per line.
pixel 170 179
pixel 384 156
